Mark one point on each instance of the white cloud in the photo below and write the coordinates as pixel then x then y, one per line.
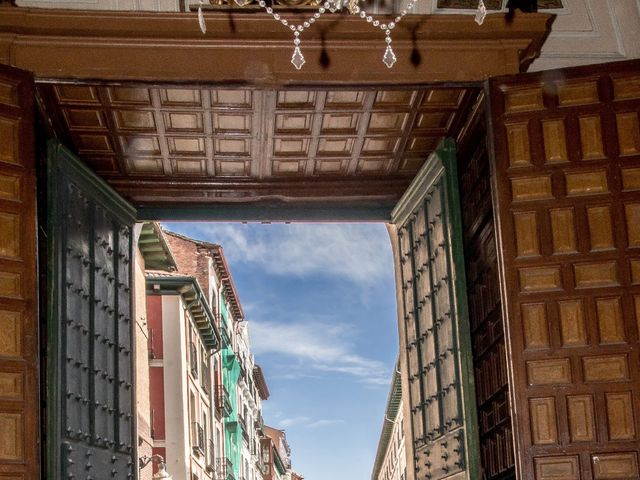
pixel 358 252
pixel 289 422
pixel 324 423
pixel 307 422
pixel 316 345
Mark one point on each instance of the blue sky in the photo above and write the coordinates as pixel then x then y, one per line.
pixel 320 301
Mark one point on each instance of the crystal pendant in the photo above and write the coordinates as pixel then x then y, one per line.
pixel 389 57
pixel 242 3
pixel 481 13
pixel 297 59
pixel 335 5
pixel 203 25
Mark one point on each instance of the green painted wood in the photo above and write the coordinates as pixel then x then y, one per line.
pixel 436 323
pixel 90 374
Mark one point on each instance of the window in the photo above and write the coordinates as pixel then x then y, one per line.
pixel 193 352
pixel 205 371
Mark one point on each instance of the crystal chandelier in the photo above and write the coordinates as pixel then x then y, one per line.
pixel 333 6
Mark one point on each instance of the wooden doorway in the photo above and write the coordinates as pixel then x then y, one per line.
pixel 551 279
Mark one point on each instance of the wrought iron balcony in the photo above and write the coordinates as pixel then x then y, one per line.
pixel 259 423
pixel 151 344
pixel 198 438
pixel 221 469
pixel 211 457
pixel 193 359
pixel 243 425
pixel 205 380
pixel 222 400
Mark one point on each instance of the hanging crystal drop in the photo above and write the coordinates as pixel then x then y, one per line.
pixel 481 13
pixel 297 59
pixel 203 25
pixel 389 57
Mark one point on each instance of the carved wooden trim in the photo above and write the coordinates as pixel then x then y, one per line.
pixel 252 48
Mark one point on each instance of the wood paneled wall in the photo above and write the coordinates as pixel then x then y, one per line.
pixel 19 401
pixel 567 184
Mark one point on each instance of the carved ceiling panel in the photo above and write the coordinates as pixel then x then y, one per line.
pixel 144 138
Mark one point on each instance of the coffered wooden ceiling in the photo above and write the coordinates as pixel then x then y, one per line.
pixel 176 144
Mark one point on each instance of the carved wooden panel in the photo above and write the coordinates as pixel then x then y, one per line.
pixel 150 142
pixel 435 324
pixel 19 395
pixel 568 249
pixel 90 408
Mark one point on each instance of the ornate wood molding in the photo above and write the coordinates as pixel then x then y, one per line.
pixel 246 48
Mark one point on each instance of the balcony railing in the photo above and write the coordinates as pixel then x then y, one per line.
pixel 259 423
pixel 230 475
pixel 224 469
pixel 243 425
pixel 205 380
pixel 150 344
pixel 198 438
pixel 193 359
pixel 211 457
pixel 223 402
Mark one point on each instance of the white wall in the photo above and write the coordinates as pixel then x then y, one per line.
pixel 592 31
pixel 141 333
pixel 175 385
pixel 584 31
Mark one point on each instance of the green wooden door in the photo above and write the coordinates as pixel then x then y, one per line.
pixel 90 393
pixel 434 326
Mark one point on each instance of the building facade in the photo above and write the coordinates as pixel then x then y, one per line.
pixel 276 455
pixel 391 459
pixel 205 390
pixel 184 345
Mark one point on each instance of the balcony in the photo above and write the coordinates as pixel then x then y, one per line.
pixel 259 423
pixel 224 469
pixel 205 380
pixel 151 344
pixel 198 438
pixel 193 359
pixel 211 457
pixel 245 432
pixel 223 402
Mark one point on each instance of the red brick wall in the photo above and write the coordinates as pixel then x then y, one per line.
pixel 191 259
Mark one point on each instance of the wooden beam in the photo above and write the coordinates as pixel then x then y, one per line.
pixel 252 48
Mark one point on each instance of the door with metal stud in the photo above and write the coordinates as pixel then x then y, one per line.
pixel 426 231
pixel 90 399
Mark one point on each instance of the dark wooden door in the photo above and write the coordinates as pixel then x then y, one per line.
pixel 90 403
pixel 434 325
pixel 566 180
pixel 19 393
